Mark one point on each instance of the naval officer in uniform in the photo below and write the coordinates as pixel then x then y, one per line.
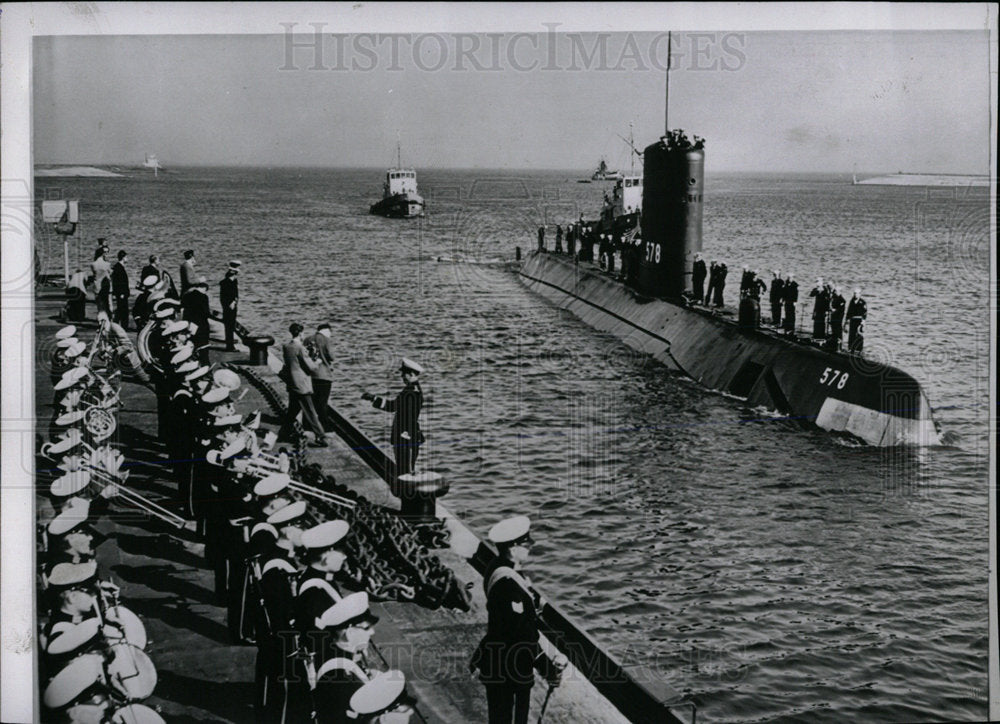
pixel 406 436
pixel 509 653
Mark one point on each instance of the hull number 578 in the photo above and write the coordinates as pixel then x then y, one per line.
pixel 831 376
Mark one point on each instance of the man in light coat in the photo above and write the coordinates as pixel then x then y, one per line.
pixel 296 374
pixel 322 376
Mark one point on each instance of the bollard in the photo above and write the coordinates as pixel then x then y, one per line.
pixel 258 348
pixel 418 494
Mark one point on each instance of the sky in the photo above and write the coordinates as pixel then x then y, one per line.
pixel 798 101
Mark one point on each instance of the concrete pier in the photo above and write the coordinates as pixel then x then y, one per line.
pixel 166 580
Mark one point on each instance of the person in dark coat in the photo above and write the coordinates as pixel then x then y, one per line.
pixel 229 298
pixel 713 276
pixel 120 289
pixel 196 310
pixel 559 237
pixel 790 298
pixel 720 282
pixel 406 436
pixel 698 273
pixel 857 313
pixel 757 286
pixel 820 309
pixel 746 281
pixel 838 306
pixel 777 292
pixel 509 653
pixel 152 268
pixel 541 238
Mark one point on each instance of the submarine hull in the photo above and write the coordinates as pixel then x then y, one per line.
pixel 876 403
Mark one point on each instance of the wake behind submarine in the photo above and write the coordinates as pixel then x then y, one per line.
pixel 651 311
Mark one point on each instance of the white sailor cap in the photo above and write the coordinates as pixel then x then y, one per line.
pixel 227 421
pixel 288 513
pixel 155 294
pixel 175 327
pixel 70 483
pixel 325 535
pixel 150 280
pixel 79 675
pixel 136 714
pixel 183 354
pixel 70 418
pixel 226 378
pixel 230 450
pixel 353 608
pixel 68 331
pixel 75 513
pixel 73 637
pixel 76 350
pixel 192 327
pixel 271 485
pixel 188 366
pixel 197 372
pixel 66 442
pixel 215 395
pixel 165 303
pixel 410 366
pixel 163 312
pixel 71 574
pixel 511 531
pixel 71 377
pixel 66 342
pixel 381 693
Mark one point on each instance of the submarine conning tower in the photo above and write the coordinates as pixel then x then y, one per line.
pixel 673 186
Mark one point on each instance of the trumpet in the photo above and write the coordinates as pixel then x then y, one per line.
pixel 319 494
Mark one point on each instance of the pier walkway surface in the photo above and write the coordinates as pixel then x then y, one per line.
pixel 166 580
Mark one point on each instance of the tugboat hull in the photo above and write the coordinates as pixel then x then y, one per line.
pixel 876 403
pixel 399 206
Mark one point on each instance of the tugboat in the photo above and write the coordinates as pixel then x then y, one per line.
pixel 400 199
pixel 603 173
pixel 622 210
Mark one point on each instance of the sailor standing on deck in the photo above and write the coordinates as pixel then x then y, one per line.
pixel 406 436
pixel 790 296
pixel 509 653
pixel 857 313
pixel 720 282
pixel 838 305
pixel 196 310
pixel 777 292
pixel 820 308
pixel 698 273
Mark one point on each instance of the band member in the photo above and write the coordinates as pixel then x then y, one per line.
pixel 509 652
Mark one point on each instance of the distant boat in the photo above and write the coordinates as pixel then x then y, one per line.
pixel 400 199
pixel 154 163
pixel 603 173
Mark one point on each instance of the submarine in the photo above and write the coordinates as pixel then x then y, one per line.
pixel 650 310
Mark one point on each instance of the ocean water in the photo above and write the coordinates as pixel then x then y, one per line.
pixel 774 573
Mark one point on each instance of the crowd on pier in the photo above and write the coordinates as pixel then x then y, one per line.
pixel 830 308
pixel 297 560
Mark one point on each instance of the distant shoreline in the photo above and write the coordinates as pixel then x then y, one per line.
pixel 78 172
pixel 926 179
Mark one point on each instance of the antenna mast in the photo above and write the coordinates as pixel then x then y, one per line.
pixel 666 93
pixel 399 164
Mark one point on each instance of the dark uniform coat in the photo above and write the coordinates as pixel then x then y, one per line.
pixel 507 653
pixel 698 274
pixel 195 305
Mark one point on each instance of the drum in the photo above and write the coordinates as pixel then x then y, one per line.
pixel 130 671
pixel 122 625
pixel 136 714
